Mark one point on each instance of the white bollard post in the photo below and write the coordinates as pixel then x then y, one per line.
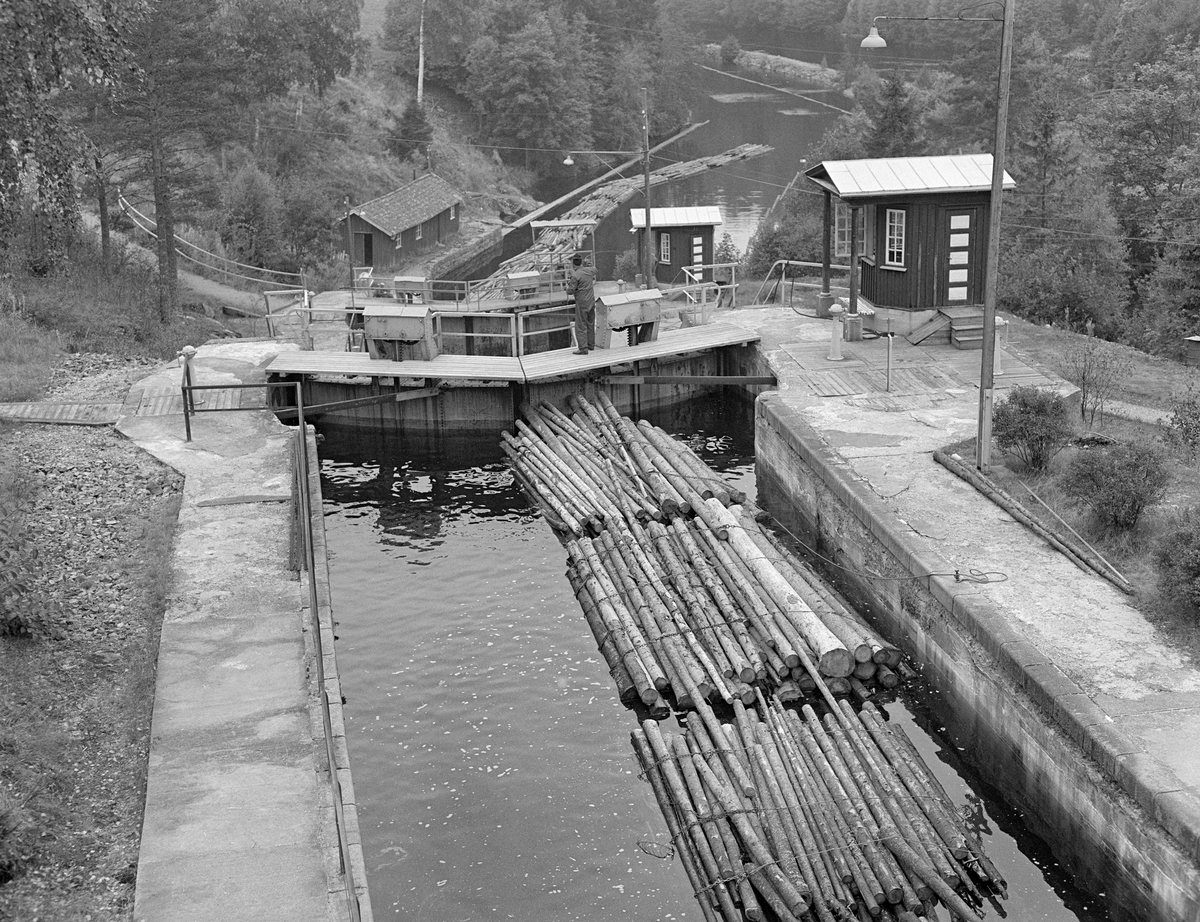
pixel 889 362
pixel 835 343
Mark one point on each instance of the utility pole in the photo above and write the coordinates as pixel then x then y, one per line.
pixel 421 57
pixel 983 437
pixel 648 246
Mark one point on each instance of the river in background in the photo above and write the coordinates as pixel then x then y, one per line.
pixel 738 112
pixel 491 756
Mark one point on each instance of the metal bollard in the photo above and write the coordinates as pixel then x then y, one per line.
pixel 835 344
pixel 184 357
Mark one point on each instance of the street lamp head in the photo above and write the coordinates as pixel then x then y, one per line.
pixel 569 161
pixel 873 39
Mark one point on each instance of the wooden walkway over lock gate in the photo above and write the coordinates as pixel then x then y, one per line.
pixel 155 401
pixel 543 366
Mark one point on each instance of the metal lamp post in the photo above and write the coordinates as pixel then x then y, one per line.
pixel 983 436
pixel 646 257
pixel 648 247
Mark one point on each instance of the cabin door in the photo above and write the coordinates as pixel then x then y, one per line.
pixel 364 249
pixel 960 256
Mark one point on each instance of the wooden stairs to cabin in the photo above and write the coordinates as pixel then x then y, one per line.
pixel 966 326
pixel 962 327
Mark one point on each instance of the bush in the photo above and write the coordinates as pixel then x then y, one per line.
pixel 1183 429
pixel 627 265
pixel 1098 369
pixel 726 251
pixel 1118 483
pixel 1178 556
pixel 795 234
pixel 730 49
pixel 1032 424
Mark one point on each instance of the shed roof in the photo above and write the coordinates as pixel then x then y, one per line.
pixel 413 203
pixel 692 216
pixel 851 179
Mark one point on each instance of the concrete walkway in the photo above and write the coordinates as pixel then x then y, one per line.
pixel 239 821
pixel 1141 717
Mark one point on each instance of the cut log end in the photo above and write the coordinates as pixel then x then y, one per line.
pixel 837 663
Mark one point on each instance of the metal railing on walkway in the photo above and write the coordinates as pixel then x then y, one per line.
pixel 782 266
pixel 225 267
pixel 303 452
pixel 450 295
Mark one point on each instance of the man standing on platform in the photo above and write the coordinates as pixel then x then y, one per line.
pixel 581 283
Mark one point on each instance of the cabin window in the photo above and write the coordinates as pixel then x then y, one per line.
pixel 894 255
pixel 419 231
pixel 664 248
pixel 841 230
pixel 453 212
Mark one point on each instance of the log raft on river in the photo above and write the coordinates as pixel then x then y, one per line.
pixel 686 593
pixel 815 811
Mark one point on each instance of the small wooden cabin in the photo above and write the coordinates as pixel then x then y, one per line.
pixel 389 231
pixel 683 237
pixel 916 227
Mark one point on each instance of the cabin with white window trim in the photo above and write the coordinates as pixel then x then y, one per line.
pixel 914 230
pixel 683 241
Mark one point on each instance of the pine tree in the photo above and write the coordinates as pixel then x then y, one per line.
pixel 413 133
pixel 897 125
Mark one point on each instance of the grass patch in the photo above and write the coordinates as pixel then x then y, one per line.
pixel 27 355
pixel 1150 383
pixel 1132 552
pixel 91 307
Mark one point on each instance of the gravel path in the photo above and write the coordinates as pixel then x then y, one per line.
pixel 75 712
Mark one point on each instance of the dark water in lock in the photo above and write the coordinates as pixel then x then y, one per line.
pixel 491 756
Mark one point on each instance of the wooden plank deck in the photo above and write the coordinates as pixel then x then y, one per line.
pixel 501 368
pixel 915 369
pixel 74 414
pixel 670 342
pixel 444 367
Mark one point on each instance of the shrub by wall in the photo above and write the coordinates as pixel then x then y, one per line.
pixel 1033 425
pixel 1119 483
pixel 1177 554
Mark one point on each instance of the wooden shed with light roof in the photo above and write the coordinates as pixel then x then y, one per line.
pixel 683 239
pixel 389 231
pixel 917 229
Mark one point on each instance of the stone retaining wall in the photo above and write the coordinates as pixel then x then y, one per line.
pixel 335 861
pixel 1113 816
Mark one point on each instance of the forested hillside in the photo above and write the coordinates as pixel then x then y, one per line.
pixel 1103 230
pixel 246 124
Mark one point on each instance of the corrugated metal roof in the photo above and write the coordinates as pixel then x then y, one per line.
pixel 412 204
pixel 893 175
pixel 692 216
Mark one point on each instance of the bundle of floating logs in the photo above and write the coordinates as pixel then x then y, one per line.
pixel 783 815
pixel 686 595
pixel 779 814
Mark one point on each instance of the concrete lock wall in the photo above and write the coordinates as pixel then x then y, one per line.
pixel 1002 701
